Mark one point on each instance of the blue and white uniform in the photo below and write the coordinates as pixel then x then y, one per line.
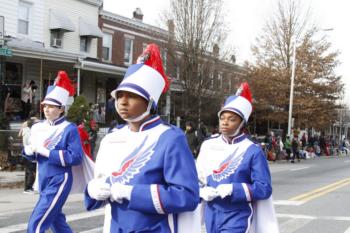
pixel 242 164
pixel 157 162
pixel 62 140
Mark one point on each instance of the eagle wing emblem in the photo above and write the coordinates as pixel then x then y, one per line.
pixel 227 167
pixel 51 142
pixel 133 163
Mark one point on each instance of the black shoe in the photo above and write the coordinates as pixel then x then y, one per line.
pixel 292 161
pixel 29 191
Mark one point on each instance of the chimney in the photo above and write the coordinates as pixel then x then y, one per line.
pixel 216 50
pixel 137 14
pixel 233 59
pixel 171 26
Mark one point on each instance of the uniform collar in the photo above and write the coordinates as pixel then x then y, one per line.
pixel 234 140
pixel 150 123
pixel 57 121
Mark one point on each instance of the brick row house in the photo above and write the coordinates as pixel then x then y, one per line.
pixel 93 45
pixel 124 40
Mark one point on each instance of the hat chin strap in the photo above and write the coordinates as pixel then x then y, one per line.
pixel 238 130
pixel 140 117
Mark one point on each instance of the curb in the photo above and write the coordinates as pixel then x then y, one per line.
pixel 12 185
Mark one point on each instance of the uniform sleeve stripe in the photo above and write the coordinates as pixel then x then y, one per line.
pixel 156 199
pixel 60 152
pixel 247 192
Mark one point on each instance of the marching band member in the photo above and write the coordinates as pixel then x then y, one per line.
pixel 234 171
pixel 55 144
pixel 144 169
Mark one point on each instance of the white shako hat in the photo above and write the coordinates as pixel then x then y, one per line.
pixel 58 93
pixel 240 103
pixel 146 78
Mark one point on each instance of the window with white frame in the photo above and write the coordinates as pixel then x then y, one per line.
pixel 178 71
pixel 164 56
pixel 107 47
pixel 84 44
pixel 56 38
pixel 23 17
pixel 178 67
pixel 128 50
pixel 144 45
pixel 220 79
pixel 211 78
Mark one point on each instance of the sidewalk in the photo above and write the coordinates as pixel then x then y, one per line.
pixel 11 179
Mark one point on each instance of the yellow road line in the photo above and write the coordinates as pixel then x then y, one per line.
pixel 321 191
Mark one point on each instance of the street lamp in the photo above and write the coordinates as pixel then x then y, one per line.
pixel 292 83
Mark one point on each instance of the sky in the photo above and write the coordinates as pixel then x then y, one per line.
pixel 246 20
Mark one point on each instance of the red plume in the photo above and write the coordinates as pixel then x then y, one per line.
pixel 244 91
pixel 151 57
pixel 62 80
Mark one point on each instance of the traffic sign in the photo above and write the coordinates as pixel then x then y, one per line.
pixel 5 52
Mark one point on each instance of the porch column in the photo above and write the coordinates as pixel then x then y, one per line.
pixel 78 82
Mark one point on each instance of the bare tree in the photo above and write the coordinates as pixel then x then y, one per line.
pixel 316 85
pixel 198 33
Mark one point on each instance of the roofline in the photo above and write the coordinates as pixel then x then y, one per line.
pixel 93 2
pixel 45 55
pixel 133 23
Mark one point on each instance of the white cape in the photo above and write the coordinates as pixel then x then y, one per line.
pixel 264 217
pixel 82 174
pixel 191 221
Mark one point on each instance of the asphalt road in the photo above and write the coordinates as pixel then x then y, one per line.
pixel 313 196
pixel 310 197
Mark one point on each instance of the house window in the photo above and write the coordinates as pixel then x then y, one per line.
pixel 164 56
pixel 144 45
pixel 128 49
pixel 178 72
pixel 56 38
pixel 23 18
pixel 220 77
pixel 211 78
pixel 107 47
pixel 84 44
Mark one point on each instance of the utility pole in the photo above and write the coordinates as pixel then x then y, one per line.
pixel 291 90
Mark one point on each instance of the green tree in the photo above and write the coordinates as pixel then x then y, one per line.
pixel 317 87
pixel 79 111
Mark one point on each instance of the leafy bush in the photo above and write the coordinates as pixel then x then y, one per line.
pixel 79 111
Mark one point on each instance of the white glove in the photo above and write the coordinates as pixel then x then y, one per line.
pixel 42 151
pixel 224 190
pixel 98 189
pixel 120 192
pixel 29 150
pixel 208 193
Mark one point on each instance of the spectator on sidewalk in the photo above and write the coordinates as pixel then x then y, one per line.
pixel 110 110
pixel 287 146
pixel 30 166
pixel 295 148
pixel 26 98
pixel 192 138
